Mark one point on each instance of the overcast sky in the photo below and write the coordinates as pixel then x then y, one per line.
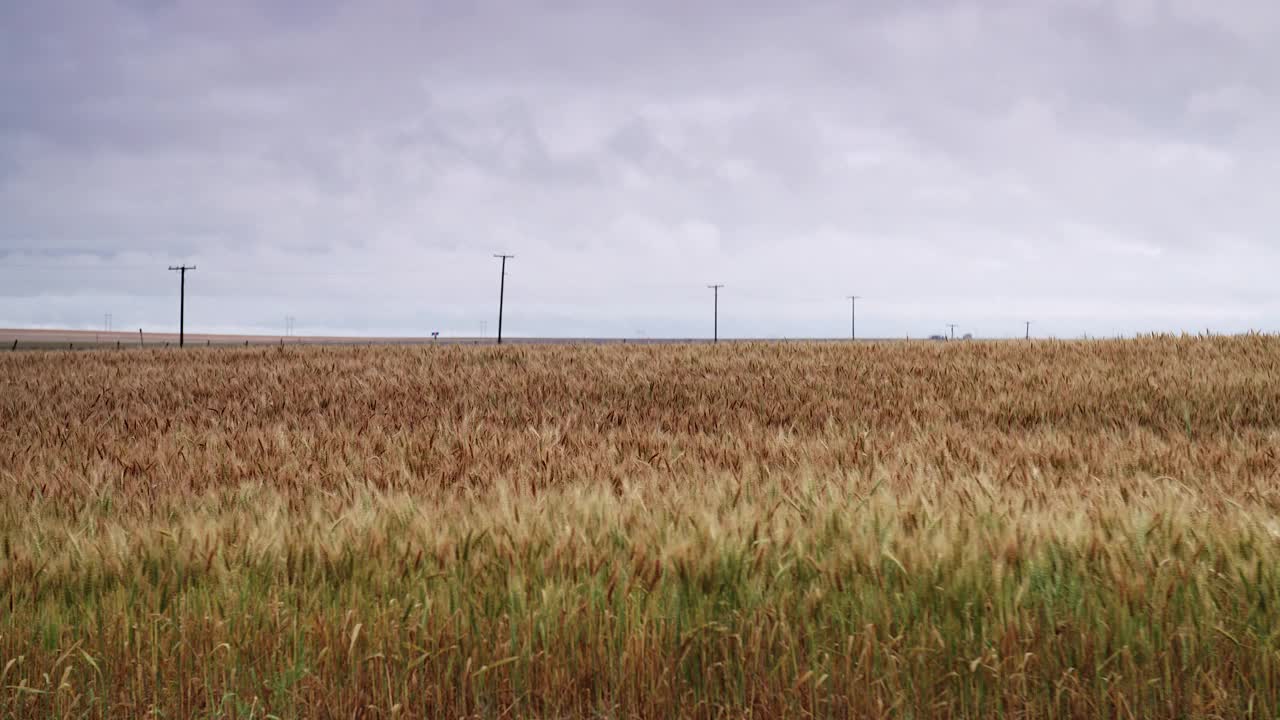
pixel 1097 166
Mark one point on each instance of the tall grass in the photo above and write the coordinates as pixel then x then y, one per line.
pixel 898 530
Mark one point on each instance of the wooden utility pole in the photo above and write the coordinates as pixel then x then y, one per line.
pixel 502 291
pixel 715 328
pixel 182 302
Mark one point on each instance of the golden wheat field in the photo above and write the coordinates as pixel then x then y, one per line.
pixel 958 530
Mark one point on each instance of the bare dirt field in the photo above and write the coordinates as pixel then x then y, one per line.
pixel 51 338
pixel 55 339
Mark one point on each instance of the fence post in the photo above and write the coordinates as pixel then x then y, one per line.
pixel 15 346
pixel 141 342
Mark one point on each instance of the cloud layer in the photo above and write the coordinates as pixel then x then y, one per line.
pixel 1096 166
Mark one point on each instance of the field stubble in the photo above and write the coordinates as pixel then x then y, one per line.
pixel 1047 529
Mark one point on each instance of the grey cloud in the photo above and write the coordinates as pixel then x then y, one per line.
pixel 1088 159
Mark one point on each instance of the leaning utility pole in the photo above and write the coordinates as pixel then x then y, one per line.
pixel 182 302
pixel 953 330
pixel 853 320
pixel 715 328
pixel 502 291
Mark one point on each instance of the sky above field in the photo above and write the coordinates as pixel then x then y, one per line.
pixel 1096 166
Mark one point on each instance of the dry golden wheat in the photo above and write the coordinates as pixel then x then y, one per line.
pixel 1048 529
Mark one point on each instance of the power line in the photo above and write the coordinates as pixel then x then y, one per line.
pixel 715 337
pixel 182 302
pixel 75 266
pixel 502 290
pixel 271 273
pixel 315 273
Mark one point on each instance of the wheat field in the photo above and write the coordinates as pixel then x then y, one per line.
pixel 952 530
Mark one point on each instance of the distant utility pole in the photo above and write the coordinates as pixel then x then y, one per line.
pixel 289 323
pixel 715 328
pixel 953 330
pixel 106 322
pixel 853 320
pixel 484 328
pixel 502 291
pixel 1028 322
pixel 182 302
